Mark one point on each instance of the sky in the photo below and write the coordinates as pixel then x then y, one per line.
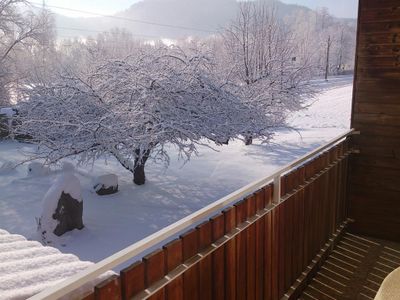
pixel 339 8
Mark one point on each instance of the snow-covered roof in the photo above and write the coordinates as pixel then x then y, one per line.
pixel 28 267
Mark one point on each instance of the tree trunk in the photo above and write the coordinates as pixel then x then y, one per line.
pixel 248 140
pixel 139 176
pixel 327 58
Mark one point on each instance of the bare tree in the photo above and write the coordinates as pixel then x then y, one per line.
pixel 19 33
pixel 262 61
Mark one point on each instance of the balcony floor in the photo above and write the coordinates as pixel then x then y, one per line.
pixel 354 270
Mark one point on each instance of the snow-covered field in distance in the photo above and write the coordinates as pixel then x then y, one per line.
pixel 116 221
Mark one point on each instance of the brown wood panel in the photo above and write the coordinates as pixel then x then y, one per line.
pixel 241 256
pixel 369 4
pixel 385 38
pixel 109 289
pixel 155 270
pixel 230 254
pixel 391 13
pixel 379 27
pixel 190 247
pixel 377 108
pixel 251 249
pixel 259 246
pixel 132 280
pixel 173 258
pixel 376 113
pixel 205 265
pixel 218 257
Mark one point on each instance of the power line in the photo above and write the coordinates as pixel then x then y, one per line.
pixel 103 31
pixel 123 18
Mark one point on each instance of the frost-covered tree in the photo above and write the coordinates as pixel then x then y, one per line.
pixel 134 108
pixel 261 63
pixel 23 35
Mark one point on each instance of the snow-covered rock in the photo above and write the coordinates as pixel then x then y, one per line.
pixel 37 169
pixel 27 268
pixel 106 184
pixel 62 207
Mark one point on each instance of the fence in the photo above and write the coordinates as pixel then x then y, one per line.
pixel 254 249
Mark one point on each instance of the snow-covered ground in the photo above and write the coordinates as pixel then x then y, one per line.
pixel 116 221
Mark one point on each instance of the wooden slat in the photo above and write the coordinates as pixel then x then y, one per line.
pixel 259 247
pixel 109 289
pixel 251 249
pixel 132 280
pixel 205 265
pixel 241 255
pixel 218 258
pixel 173 258
pixel 230 254
pixel 155 270
pixel 190 247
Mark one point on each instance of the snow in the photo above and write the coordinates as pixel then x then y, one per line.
pixel 27 267
pixel 116 221
pixel 105 181
pixel 7 111
pixel 67 183
pixel 37 169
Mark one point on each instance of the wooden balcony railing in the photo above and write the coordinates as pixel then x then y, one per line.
pixel 263 241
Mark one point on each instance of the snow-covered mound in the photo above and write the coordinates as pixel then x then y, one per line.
pixel 27 268
pixel 106 184
pixel 67 183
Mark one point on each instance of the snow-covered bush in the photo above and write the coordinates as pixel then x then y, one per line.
pixel 132 108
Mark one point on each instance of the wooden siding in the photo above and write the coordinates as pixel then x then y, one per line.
pixel 255 249
pixel 375 172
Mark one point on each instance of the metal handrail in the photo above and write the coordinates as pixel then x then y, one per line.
pixel 75 282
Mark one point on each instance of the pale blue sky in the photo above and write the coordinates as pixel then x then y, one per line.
pixel 339 8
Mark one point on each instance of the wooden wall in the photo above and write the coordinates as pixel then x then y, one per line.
pixel 375 172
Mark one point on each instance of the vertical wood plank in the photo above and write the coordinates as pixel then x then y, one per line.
pixel 155 270
pixel 260 240
pixel 109 289
pixel 251 248
pixel 275 252
pixel 205 265
pixel 173 258
pixel 268 247
pixel 190 248
pixel 230 254
pixel 218 257
pixel 132 280
pixel 241 254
